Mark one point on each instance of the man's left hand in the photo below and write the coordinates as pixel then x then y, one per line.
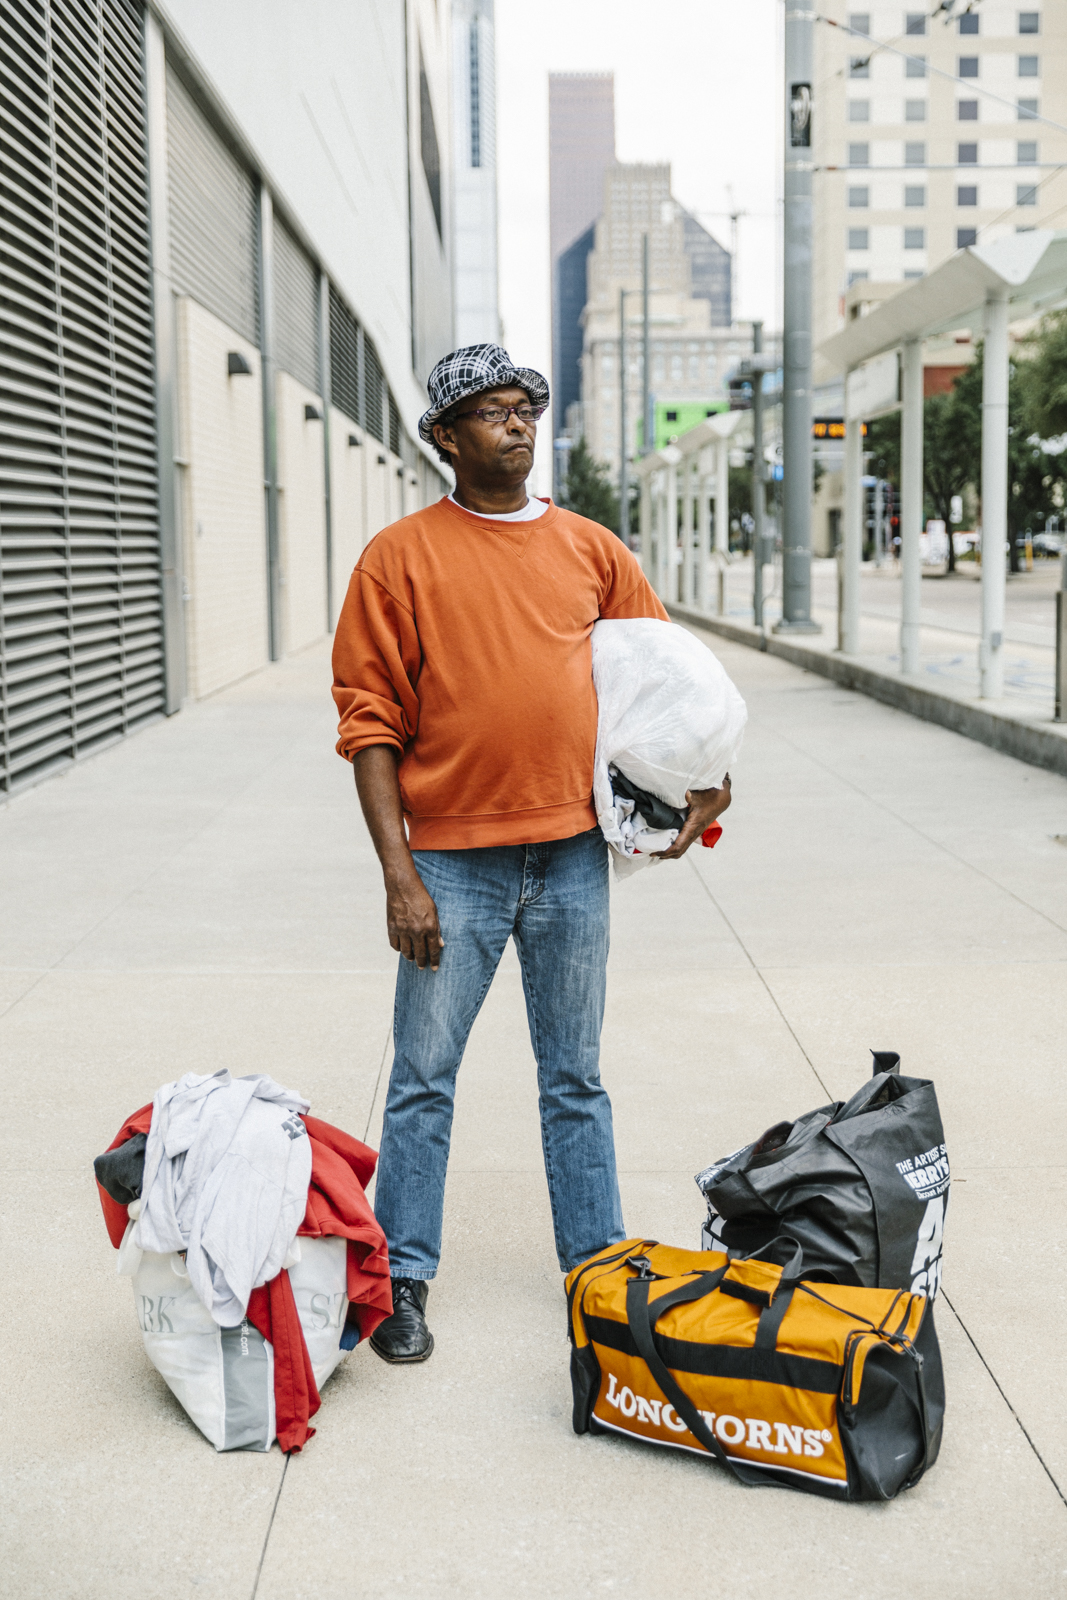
pixel 705 805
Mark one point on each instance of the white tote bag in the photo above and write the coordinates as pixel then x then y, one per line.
pixel 668 717
pixel 224 1377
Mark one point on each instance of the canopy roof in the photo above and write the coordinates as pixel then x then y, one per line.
pixel 1031 267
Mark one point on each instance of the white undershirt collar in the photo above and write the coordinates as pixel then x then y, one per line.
pixel 530 512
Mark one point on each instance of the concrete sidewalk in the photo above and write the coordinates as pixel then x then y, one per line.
pixel 205 894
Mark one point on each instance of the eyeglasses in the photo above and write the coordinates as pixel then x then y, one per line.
pixel 525 413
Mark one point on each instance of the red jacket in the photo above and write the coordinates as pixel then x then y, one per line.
pixel 337 1205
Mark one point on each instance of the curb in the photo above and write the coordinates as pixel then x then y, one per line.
pixel 1038 744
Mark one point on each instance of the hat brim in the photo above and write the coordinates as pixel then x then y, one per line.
pixel 520 377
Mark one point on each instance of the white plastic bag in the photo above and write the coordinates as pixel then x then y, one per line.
pixel 224 1377
pixel 668 717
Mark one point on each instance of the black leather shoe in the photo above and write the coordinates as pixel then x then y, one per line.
pixel 404 1336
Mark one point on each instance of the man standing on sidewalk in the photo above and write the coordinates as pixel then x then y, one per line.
pixel 463 679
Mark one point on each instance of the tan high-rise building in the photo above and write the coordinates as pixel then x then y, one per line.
pixel 581 146
pixel 927 138
pixel 692 346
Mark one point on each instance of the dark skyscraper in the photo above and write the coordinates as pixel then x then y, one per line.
pixel 581 139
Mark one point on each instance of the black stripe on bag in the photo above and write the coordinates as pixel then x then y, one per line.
pixel 723 1360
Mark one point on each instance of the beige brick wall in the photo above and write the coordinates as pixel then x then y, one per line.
pixel 381 487
pixel 223 518
pixel 884 98
pixel 301 515
pixel 348 466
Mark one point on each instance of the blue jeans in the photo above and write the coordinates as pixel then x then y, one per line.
pixel 553 900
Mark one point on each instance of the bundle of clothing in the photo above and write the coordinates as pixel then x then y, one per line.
pixel 669 720
pixel 255 1256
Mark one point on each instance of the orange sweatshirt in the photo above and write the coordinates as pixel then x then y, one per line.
pixel 464 643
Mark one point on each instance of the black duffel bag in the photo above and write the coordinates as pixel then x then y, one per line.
pixel 862 1185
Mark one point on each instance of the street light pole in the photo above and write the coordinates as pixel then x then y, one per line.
pixel 624 458
pixel 647 431
pixel 796 322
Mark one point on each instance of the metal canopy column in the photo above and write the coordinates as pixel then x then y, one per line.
pixel 994 494
pixel 722 497
pixel 848 621
pixel 911 503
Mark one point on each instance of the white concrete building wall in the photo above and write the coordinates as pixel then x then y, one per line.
pixel 348 500
pixel 379 490
pixel 301 514
pixel 223 530
pixel 319 91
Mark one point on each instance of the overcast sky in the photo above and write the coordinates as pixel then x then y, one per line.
pixel 696 84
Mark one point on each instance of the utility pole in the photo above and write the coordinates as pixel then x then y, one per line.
pixel 758 494
pixel 647 430
pixel 624 460
pixel 796 325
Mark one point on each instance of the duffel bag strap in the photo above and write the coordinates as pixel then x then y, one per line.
pixel 642 1319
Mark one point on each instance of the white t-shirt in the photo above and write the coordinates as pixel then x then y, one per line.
pixel 529 513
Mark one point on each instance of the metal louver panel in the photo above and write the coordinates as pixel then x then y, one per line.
pixel 344 358
pixel 296 310
pixel 213 229
pixel 81 660
pixel 394 426
pixel 373 419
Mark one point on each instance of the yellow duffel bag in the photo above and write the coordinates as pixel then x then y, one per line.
pixel 834 1390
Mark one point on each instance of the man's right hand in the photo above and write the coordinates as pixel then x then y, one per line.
pixel 411 918
pixel 410 914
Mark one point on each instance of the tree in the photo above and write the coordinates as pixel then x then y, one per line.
pixel 587 488
pixel 1043 369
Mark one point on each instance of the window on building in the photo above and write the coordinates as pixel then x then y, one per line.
pixel 910 277
pixel 915 22
pixel 1026 194
pixel 966 155
pixel 1027 110
pixel 915 111
pixel 967 67
pixel 474 61
pixel 967 110
pixel 859 276
pixel 915 238
pixel 915 154
pixel 1028 67
pixel 915 67
pixel 966 237
pixel 1029 22
pixel 859 111
pixel 429 148
pixel 859 239
pixel 1026 152
pixel 915 194
pixel 967 194
pixel 969 22
pixel 859 67
pixel 859 197
pixel 859 155
pixel 671 416
pixel 860 21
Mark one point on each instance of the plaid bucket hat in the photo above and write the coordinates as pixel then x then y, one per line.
pixel 470 370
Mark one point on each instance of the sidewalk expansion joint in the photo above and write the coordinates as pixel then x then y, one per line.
pixel 270 1525
pixel 1022 1426
pixel 773 997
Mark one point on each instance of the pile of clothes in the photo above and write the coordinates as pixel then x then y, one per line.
pixel 669 720
pixel 255 1256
